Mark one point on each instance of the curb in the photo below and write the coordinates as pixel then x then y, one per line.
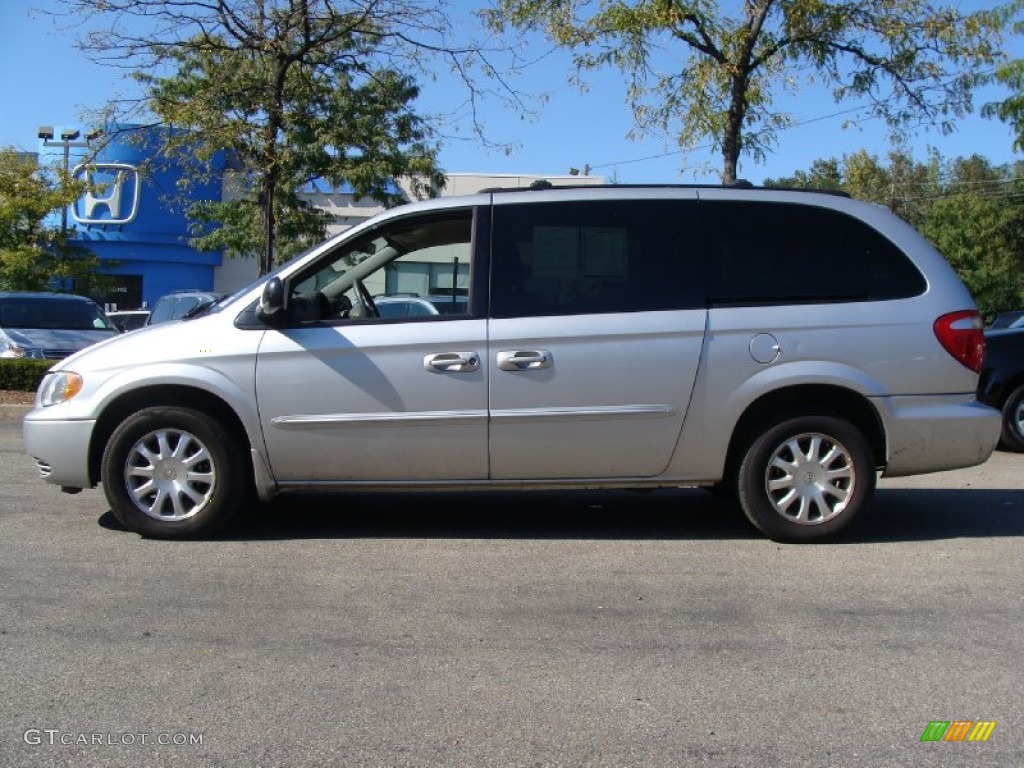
pixel 14 411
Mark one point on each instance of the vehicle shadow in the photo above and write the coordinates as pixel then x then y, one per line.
pixel 925 514
pixel 610 515
pixel 897 515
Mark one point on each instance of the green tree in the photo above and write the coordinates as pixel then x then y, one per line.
pixel 1011 109
pixel 699 69
pixel 35 256
pixel 977 222
pixel 824 174
pixel 904 185
pixel 293 90
pixel 1010 74
pixel 286 117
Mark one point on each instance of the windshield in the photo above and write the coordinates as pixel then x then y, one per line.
pixel 53 314
pixel 225 300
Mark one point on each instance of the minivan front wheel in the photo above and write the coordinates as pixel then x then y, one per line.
pixel 172 472
pixel 806 478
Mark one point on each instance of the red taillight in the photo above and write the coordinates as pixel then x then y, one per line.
pixel 962 335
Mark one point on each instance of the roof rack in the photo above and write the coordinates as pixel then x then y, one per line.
pixel 543 185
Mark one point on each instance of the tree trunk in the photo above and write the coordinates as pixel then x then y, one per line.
pixel 270 178
pixel 267 223
pixel 730 158
pixel 268 186
pixel 732 139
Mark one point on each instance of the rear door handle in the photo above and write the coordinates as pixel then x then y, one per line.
pixel 452 362
pixel 524 360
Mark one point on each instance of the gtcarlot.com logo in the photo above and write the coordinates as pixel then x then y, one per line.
pixel 53 737
pixel 958 730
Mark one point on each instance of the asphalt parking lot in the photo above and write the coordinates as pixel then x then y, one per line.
pixel 561 629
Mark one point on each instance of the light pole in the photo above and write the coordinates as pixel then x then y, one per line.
pixel 68 139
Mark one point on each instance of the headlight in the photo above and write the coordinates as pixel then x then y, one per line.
pixel 58 387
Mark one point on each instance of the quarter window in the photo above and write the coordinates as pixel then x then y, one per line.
pixel 777 253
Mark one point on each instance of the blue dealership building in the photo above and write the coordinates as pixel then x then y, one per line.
pixel 133 215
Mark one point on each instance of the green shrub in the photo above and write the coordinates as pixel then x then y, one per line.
pixel 22 374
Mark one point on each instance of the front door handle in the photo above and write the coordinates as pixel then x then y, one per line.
pixel 452 362
pixel 524 360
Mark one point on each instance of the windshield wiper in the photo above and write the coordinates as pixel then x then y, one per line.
pixel 200 308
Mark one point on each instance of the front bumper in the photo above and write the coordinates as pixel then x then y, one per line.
pixel 60 449
pixel 936 432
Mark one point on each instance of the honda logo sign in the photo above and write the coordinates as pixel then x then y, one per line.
pixel 112 193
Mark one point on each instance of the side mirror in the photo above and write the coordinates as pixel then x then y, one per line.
pixel 271 309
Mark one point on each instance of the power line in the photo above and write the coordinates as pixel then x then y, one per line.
pixel 701 147
pixel 798 124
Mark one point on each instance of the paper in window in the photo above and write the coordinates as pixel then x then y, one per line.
pixel 555 253
pixel 605 252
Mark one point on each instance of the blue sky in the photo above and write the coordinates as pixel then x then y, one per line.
pixel 48 82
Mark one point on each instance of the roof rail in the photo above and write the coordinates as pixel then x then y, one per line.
pixel 542 185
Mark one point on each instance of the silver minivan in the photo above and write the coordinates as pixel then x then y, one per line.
pixel 782 347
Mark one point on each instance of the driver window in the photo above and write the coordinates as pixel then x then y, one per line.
pixel 413 268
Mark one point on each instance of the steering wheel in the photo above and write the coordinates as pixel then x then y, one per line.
pixel 366 300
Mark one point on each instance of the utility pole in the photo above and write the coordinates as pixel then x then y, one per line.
pixel 68 139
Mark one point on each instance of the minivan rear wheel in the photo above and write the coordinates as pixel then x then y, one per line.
pixel 806 478
pixel 172 472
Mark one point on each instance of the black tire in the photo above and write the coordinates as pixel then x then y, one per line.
pixel 163 443
pixel 806 503
pixel 1013 421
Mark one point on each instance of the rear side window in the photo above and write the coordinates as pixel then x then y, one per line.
pixel 777 253
pixel 566 258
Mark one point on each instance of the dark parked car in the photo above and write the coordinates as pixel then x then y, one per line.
pixel 177 304
pixel 403 306
pixel 1014 319
pixel 50 326
pixel 1002 382
pixel 450 305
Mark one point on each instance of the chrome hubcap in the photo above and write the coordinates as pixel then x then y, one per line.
pixel 1019 417
pixel 170 474
pixel 810 479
